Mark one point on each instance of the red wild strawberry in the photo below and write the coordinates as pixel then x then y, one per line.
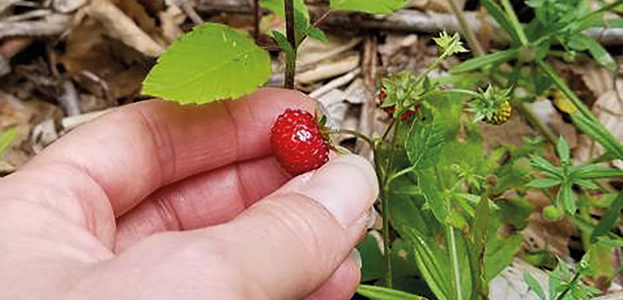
pixel 298 142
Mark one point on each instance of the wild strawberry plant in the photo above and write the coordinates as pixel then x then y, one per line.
pixel 447 232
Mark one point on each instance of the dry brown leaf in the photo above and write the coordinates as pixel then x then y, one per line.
pixel 120 26
pixel 119 66
pixel 545 235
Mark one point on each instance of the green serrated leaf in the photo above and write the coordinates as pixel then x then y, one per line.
pixel 563 150
pixel 381 293
pixel 544 165
pixel 499 252
pixel 534 285
pixel 424 144
pixel 479 62
pixel 6 139
pixel 565 197
pixel 212 62
pixel 598 52
pixel 435 198
pixel 318 34
pixel 282 42
pixel 369 6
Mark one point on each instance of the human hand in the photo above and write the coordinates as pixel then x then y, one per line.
pixel 161 201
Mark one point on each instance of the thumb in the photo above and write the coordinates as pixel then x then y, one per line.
pixel 290 243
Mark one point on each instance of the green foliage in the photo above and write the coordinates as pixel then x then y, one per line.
pixel 373 267
pixel 486 60
pixel 566 176
pixel 424 144
pixel 381 293
pixel 206 65
pixel 433 262
pixel 608 220
pixel 369 6
pixel 563 285
pixel 6 139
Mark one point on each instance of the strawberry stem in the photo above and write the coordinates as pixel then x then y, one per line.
pixel 357 134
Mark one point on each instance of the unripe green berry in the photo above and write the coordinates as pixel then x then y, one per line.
pixel 552 213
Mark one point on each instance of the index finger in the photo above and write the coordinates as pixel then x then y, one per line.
pixel 138 148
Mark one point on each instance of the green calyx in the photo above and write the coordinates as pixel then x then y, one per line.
pixel 492 105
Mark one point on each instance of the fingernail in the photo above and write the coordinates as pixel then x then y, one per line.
pixel 356 256
pixel 346 186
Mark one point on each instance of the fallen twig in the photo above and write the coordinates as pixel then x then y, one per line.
pixel 413 21
pixel 52 24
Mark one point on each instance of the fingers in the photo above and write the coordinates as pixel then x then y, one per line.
pixel 205 199
pixel 292 241
pixel 136 149
pixel 343 282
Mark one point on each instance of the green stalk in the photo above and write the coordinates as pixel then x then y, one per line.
pixel 515 21
pixel 291 33
pixel 450 236
pixel 584 119
pixel 385 215
pixel 559 82
pixel 454 259
pixel 573 281
pixel 386 241
pixel 605 173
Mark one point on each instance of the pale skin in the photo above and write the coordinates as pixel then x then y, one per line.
pixel 161 201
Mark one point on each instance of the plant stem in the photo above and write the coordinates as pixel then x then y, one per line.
pixel 322 18
pixel 515 21
pixel 384 184
pixel 257 15
pixel 387 130
pixel 354 133
pixel 451 238
pixel 381 177
pixel 386 241
pixel 575 278
pixel 469 35
pixel 602 9
pixel 454 258
pixel 291 33
pixel 549 71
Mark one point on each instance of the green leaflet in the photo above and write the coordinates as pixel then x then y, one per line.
pixel 479 62
pixel 432 261
pixel 369 6
pixel 373 266
pixel 534 285
pixel 6 138
pixel 424 144
pixel 212 62
pixel 381 293
pixel 597 51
